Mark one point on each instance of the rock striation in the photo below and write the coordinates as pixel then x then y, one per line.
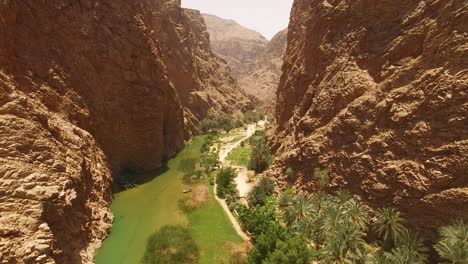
pixel 88 88
pixel 377 91
pixel 239 46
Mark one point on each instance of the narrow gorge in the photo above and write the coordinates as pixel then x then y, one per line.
pixel 367 97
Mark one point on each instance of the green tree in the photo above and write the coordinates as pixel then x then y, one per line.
pixel 171 244
pixel 389 226
pixel 292 251
pixel 357 213
pixel 225 182
pixel 453 244
pixel 300 213
pixel 345 245
pixel 261 191
pixel 260 157
pixel 256 220
pixel 410 249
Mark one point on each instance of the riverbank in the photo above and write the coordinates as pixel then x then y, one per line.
pixel 141 211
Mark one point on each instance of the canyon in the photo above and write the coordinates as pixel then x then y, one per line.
pixel 373 91
pixel 89 89
pixel 254 61
pixel 376 92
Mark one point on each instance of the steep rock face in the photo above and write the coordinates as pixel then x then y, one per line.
pixel 87 89
pixel 202 79
pixel 239 46
pixel 264 76
pixel 376 91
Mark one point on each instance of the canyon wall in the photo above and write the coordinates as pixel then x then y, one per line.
pixel 377 92
pixel 263 78
pixel 88 88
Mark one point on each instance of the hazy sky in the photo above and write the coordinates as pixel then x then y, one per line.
pixel 265 16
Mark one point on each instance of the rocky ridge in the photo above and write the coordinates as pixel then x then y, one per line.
pixel 87 89
pixel 238 45
pixel 377 92
pixel 255 62
pixel 263 78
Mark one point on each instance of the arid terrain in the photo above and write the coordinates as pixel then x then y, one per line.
pixel 374 92
pixel 381 102
pixel 85 96
pixel 254 61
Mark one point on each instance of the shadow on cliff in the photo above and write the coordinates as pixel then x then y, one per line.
pixel 132 177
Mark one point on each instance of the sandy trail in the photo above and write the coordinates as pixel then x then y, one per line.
pixel 241 180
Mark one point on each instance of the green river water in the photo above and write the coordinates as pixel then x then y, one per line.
pixel 142 210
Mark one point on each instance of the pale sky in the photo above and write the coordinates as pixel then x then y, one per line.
pixel 265 16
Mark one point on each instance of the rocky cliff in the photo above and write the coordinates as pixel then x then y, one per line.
pixel 239 46
pixel 262 79
pixel 202 79
pixel 377 91
pixel 88 88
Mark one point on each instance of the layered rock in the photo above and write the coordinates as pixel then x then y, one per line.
pixel 239 46
pixel 88 88
pixel 263 78
pixel 376 91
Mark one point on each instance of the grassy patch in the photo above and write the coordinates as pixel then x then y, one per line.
pixel 240 156
pixel 212 230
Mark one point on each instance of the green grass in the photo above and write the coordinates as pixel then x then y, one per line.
pixel 212 230
pixel 240 156
pixel 141 211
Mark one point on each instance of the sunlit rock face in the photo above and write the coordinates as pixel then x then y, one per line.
pixel 263 77
pixel 376 91
pixel 239 46
pixel 88 88
pixel 254 61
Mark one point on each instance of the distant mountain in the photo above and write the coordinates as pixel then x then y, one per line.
pixel 238 45
pixel 254 61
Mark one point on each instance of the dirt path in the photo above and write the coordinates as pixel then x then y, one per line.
pixel 241 179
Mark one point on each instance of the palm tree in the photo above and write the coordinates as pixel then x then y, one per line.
pixel 403 255
pixel 357 213
pixel 300 212
pixel 331 220
pixel 413 242
pixel 345 245
pixel 389 226
pixel 343 196
pixel 453 245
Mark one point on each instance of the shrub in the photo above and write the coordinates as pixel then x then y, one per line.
pixel 292 175
pixel 261 191
pixel 171 244
pixel 200 197
pixel 322 178
pixel 239 252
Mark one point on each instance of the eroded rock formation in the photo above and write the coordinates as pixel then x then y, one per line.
pixel 88 88
pixel 377 91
